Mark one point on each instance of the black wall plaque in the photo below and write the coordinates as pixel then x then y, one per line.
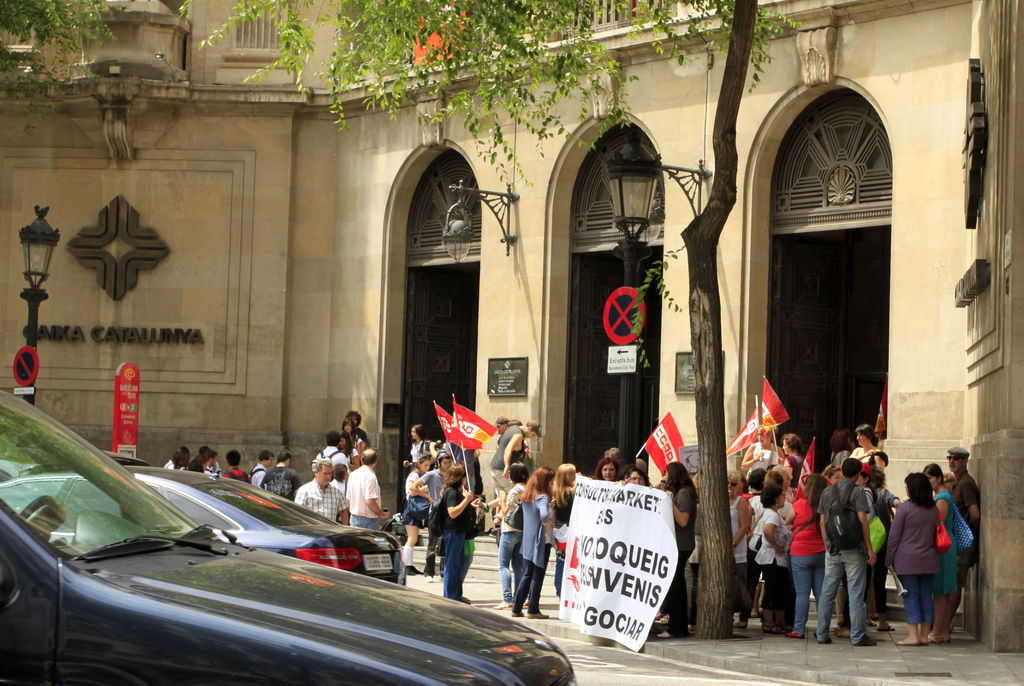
pixel 507 375
pixel 391 416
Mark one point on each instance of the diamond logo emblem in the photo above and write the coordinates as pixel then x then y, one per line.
pixel 118 262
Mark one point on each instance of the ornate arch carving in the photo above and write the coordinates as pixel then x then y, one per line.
pixel 592 227
pixel 834 168
pixel 430 202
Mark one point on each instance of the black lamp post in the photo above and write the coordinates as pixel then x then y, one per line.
pixel 38 240
pixel 633 174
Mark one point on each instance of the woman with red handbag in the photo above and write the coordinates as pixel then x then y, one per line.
pixel 944 583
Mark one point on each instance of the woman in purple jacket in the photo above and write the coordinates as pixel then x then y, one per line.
pixel 912 555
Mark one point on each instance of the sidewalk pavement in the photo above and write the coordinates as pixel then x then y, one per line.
pixel 961 662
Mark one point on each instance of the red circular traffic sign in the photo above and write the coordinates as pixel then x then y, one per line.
pixel 618 315
pixel 26 366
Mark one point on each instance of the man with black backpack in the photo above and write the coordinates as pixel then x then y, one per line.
pixel 844 520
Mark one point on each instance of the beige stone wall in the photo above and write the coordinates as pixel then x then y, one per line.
pixel 995 596
pixel 211 188
pixel 287 242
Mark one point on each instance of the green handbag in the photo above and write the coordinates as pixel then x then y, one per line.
pixel 877 530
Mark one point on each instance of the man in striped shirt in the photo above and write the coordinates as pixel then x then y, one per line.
pixel 320 496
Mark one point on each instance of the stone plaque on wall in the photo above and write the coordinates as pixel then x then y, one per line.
pixel 686 379
pixel 507 375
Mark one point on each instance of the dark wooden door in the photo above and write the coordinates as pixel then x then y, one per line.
pixel 592 395
pixel 440 344
pixel 807 335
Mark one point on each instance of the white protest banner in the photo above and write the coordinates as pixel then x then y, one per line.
pixel 620 557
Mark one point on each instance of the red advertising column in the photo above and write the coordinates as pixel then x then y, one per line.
pixel 126 409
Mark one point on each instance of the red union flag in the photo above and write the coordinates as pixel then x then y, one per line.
pixel 883 410
pixel 664 443
pixel 772 411
pixel 806 470
pixel 471 430
pixel 746 436
pixel 447 424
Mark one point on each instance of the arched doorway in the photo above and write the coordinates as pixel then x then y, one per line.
pixel 442 299
pixel 592 395
pixel 828 316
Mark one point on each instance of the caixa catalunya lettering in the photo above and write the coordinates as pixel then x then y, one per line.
pixel 119 334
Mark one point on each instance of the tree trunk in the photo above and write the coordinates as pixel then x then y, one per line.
pixel 715 589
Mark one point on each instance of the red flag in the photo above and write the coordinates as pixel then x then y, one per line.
pixel 471 430
pixel 447 424
pixel 746 436
pixel 806 470
pixel 883 410
pixel 772 411
pixel 664 443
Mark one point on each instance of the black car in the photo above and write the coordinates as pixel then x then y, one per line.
pixel 260 519
pixel 102 583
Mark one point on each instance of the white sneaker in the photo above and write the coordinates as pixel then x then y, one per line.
pixel 428 579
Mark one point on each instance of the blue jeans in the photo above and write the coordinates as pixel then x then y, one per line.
pixel 808 575
pixel 918 603
pixel 854 565
pixel 559 566
pixel 363 522
pixel 509 551
pixel 454 557
pixel 528 590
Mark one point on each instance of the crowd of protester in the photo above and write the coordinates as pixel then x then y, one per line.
pixel 784 550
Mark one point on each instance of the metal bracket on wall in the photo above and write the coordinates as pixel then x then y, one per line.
pixel 499 203
pixel 691 181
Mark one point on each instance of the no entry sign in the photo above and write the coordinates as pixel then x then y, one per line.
pixel 618 315
pixel 26 366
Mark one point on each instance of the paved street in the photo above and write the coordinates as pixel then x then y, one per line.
pixel 607 666
pixel 751 657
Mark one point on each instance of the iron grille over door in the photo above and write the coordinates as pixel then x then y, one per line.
pixel 834 169
pixel 592 203
pixel 430 202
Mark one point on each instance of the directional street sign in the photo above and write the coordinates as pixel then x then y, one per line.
pixel 26 366
pixel 621 359
pixel 618 315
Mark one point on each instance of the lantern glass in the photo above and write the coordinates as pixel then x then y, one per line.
pixel 457 238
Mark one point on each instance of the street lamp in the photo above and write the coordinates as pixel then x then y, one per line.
pixel 633 174
pixel 38 240
pixel 457 235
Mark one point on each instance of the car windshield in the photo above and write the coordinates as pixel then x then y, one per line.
pixel 267 507
pixel 66 492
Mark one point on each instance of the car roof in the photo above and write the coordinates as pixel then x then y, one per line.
pixel 182 476
pixel 126 460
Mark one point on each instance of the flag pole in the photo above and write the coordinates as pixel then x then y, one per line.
pixel 642 448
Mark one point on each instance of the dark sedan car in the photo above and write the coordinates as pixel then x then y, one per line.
pixel 260 519
pixel 103 583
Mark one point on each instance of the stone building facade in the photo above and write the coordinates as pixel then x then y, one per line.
pixel 304 274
